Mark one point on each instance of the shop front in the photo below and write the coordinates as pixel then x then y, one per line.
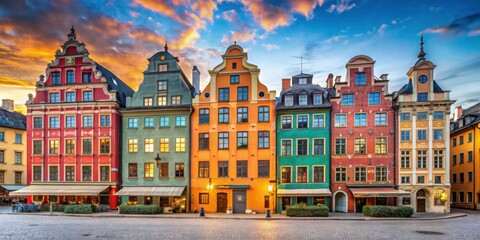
pixel 309 197
pixel 171 199
pixel 380 196
pixel 6 199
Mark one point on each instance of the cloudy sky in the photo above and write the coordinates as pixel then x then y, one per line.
pixel 122 34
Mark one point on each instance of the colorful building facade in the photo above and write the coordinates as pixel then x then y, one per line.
pixel 13 151
pixel 233 139
pixel 464 155
pixel 303 140
pixel 73 131
pixel 363 143
pixel 423 134
pixel 156 137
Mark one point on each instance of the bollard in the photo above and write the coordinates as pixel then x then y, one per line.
pixel 202 212
pixel 268 214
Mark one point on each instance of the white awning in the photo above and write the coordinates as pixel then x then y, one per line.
pixel 304 192
pixel 378 192
pixel 60 190
pixel 151 191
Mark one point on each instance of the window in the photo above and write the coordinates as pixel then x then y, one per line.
pixel 223 140
pixel 406 200
pixel 203 198
pixel 87 77
pixel 422 159
pixel 53 173
pixel 318 146
pixel 422 135
pixel 176 100
pixel 162 101
pixel 405 159
pixel 360 174
pixel 461 140
pixel 340 146
pixel 302 81
pixel 438 179
pixel 286 147
pixel 381 174
pixel 438 115
pixel 347 100
pixel 69 173
pixel 87 96
pixel 242 93
pixel 70 77
pixel 454 160
pixel 164 145
pixel 302 100
pixel 302 175
pixel 87 121
pixel 148 122
pixel 286 122
pixel 18 158
pixel 302 121
pixel 405 179
pixel 37 122
pixel 302 147
pixel 54 97
pixel 162 86
pixel 266 201
pixel 180 121
pixel 242 139
pixel 437 199
pixel 404 116
pixel 288 100
pixel 223 115
pixel 422 116
pixel 204 141
pixel 53 146
pixel 242 114
pixel 469 197
pixel 454 178
pixel 203 169
pixel 132 170
pixel 422 97
pixel 462 177
pixel 470 156
pixel 317 99
pixel 133 123
pixel 438 158
pixel 223 95
pixel 2 156
pixel 341 174
pixel 454 197
pixel 360 79
pixel 462 158
pixel 87 146
pixel 148 101
pixel 234 65
pixel 163 170
pixel 70 121
pixel 374 98
pixel 18 138
pixel 470 137
pixel 37 146
pixel 437 134
pixel 70 146
pixel 234 79
pixel 104 173
pixel 361 119
pixel 180 144
pixel 2 176
pixel 223 169
pixel 405 135
pixel 86 173
pixel 381 145
pixel 242 169
pixel 104 145
pixel 37 173
pixel 470 176
pixel 263 139
pixel 340 120
pixel 163 67
pixel 286 174
pixel 132 145
pixel 360 146
pixel 55 78
pixel 70 97
pixel 319 174
pixel 164 122
pixel 380 119
pixel 148 170
pixel 318 121
pixel 105 120
pixel 204 116
pixel 263 114
pixel 54 122
pixel 263 168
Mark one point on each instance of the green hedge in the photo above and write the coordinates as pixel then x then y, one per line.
pixel 55 207
pixel 79 208
pixel 387 211
pixel 139 209
pixel 307 211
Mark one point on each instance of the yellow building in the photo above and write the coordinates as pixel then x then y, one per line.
pixel 13 151
pixel 465 150
pixel 423 132
pixel 233 139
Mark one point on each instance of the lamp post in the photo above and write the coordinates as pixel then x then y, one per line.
pixel 158 160
pixel 270 191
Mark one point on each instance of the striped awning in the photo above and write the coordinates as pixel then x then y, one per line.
pixel 304 192
pixel 151 191
pixel 60 190
pixel 378 192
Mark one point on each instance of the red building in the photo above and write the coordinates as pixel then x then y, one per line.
pixel 73 131
pixel 363 142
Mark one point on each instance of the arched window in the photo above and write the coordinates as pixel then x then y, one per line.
pixel 440 197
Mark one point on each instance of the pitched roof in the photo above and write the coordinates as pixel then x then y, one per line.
pixel 408 88
pixel 309 89
pixel 114 83
pixel 14 120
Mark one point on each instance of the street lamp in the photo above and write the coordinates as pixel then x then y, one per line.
pixel 158 160
pixel 210 185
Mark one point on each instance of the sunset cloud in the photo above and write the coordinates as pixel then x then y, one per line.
pixel 245 34
pixel 266 15
pixel 459 26
pixel 305 7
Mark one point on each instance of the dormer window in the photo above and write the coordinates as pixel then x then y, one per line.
pixel 234 65
pixel 302 81
pixel 162 67
pixel 289 100
pixel 302 100
pixel 317 99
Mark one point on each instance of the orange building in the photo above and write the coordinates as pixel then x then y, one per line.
pixel 233 139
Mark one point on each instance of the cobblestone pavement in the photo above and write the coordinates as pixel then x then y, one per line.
pixel 65 227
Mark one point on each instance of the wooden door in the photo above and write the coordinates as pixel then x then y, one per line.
pixel 222 202
pixel 420 204
pixel 239 201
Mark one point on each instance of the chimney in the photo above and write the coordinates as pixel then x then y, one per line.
pixel 330 80
pixel 457 113
pixel 338 79
pixel 196 79
pixel 7 104
pixel 285 83
pixel 384 76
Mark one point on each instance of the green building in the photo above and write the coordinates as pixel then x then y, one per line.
pixel 156 137
pixel 303 143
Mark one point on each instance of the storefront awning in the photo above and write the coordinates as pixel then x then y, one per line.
pixel 151 191
pixel 304 192
pixel 12 187
pixel 60 190
pixel 378 192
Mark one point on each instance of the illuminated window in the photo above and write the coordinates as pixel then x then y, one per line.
pixel 180 144
pixel 164 145
pixel 148 145
pixel 381 145
pixel 148 170
pixel 132 145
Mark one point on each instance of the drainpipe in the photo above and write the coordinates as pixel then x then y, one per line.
pixel 330 161
pixel 189 192
pixel 474 193
pixel 395 161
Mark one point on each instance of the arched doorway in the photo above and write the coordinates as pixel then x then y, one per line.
pixel 340 202
pixel 421 195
